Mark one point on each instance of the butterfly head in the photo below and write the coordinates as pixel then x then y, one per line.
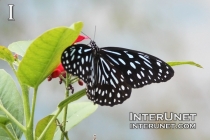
pixel 94 47
pixel 93 43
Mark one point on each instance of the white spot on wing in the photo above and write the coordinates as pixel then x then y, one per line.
pixel 142 57
pixel 66 54
pixel 102 94
pixel 138 76
pixel 112 83
pixel 110 95
pixel 72 51
pixel 115 79
pixel 150 72
pixel 80 68
pixel 72 58
pixel 80 50
pixel 132 65
pixel 137 62
pixel 87 50
pixel 82 60
pixel 67 61
pixel 158 63
pixel 113 60
pixel 147 64
pixel 104 62
pixel 86 58
pixel 129 55
pixel 142 73
pixel 123 88
pixel 111 52
pixel 129 72
pixel 122 61
pixel 118 95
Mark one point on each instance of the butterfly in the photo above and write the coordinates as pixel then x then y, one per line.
pixel 110 73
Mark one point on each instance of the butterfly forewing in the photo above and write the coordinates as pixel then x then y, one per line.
pixel 110 86
pixel 139 68
pixel 77 60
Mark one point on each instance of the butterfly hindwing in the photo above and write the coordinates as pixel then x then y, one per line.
pixel 110 87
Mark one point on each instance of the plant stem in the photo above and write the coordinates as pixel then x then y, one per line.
pixel 13 68
pixel 61 105
pixel 26 105
pixel 73 80
pixel 31 120
pixel 13 119
pixel 66 107
pixel 63 79
pixel 49 124
pixel 61 128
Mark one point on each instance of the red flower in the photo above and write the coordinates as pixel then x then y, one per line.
pixel 60 70
pixel 80 38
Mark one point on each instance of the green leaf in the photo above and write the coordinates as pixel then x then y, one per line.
pixel 19 47
pixel 11 100
pixel 76 113
pixel 6 55
pixel 72 98
pixel 175 63
pixel 41 126
pixel 43 55
pixel 4 120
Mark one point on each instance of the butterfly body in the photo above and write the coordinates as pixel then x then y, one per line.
pixel 111 72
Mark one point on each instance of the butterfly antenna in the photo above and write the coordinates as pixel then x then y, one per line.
pixel 94 34
pixel 86 35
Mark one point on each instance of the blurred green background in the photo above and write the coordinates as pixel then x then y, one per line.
pixel 171 30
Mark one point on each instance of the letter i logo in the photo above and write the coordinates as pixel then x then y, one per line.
pixel 11 18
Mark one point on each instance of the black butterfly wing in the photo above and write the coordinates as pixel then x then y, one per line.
pixel 138 68
pixel 77 60
pixel 110 87
pixel 111 72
